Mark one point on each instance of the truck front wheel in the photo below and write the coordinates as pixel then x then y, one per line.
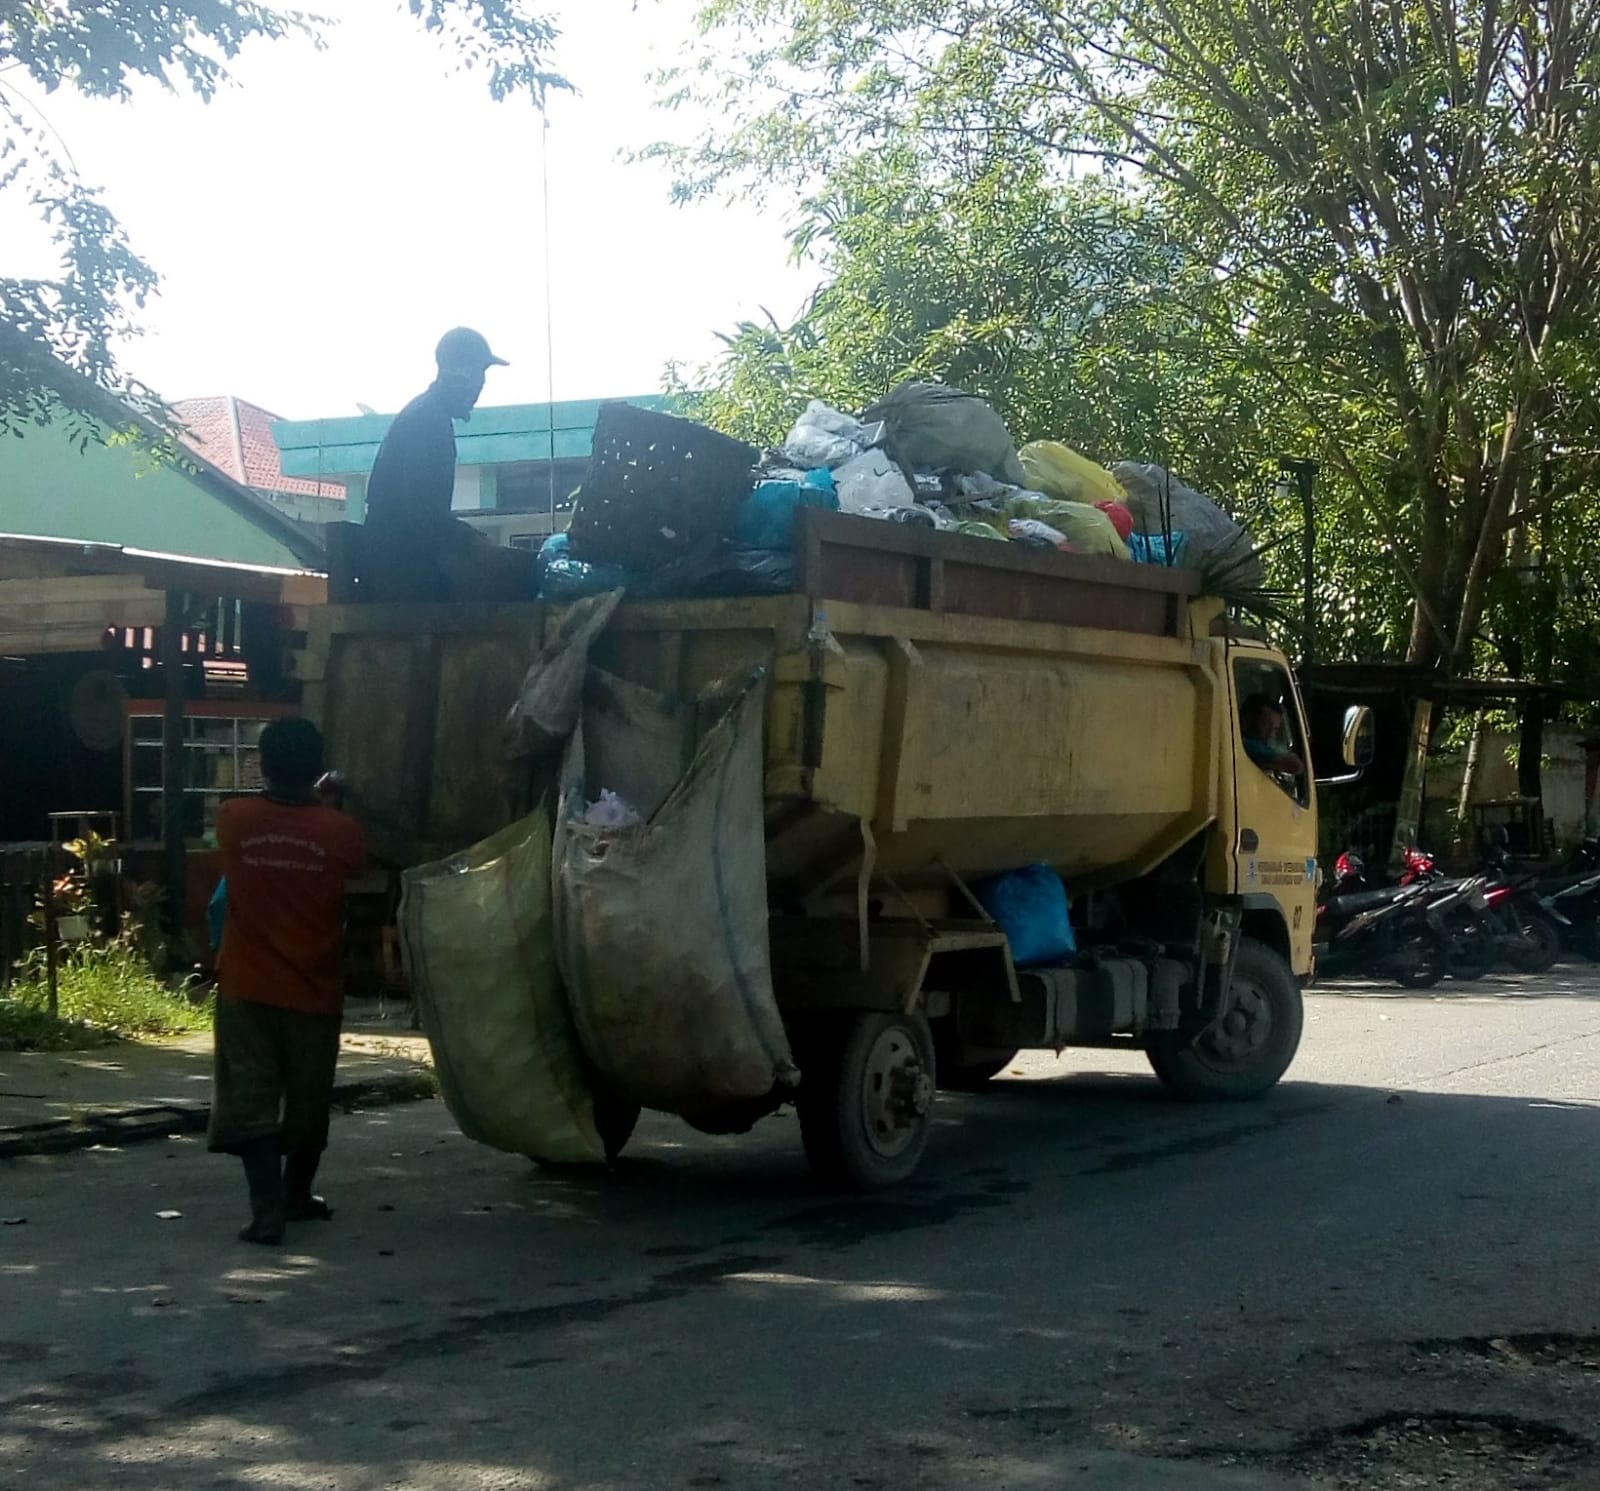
pixel 1251 1047
pixel 866 1098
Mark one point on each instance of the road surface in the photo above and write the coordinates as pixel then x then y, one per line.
pixel 1384 1275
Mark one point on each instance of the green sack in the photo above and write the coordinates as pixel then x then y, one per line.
pixel 478 946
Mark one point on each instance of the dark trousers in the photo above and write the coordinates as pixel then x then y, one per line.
pixel 272 1076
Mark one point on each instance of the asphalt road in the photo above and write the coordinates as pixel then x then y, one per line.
pixel 1383 1275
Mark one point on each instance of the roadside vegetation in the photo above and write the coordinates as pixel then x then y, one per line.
pixel 106 992
pixel 108 987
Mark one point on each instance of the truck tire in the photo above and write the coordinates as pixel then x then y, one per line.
pixel 1260 1035
pixel 866 1098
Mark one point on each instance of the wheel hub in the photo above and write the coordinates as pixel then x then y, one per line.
pixel 897 1092
pixel 1246 1026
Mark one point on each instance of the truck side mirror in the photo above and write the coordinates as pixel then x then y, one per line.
pixel 1359 737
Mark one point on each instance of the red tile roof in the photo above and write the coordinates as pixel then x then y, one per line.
pixel 237 436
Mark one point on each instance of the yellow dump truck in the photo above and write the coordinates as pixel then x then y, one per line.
pixel 939 710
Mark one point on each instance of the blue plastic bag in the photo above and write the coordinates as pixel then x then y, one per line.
pixel 1030 907
pixel 1158 548
pixel 766 519
pixel 217 913
pixel 564 578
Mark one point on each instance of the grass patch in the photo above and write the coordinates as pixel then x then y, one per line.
pixel 106 993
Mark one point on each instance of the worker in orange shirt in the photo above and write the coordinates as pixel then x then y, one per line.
pixel 285 858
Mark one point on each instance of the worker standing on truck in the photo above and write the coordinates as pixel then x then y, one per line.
pixel 1261 719
pixel 416 551
pixel 286 857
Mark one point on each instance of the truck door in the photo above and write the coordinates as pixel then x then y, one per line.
pixel 1275 813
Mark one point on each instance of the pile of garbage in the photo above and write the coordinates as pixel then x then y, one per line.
pixel 671 508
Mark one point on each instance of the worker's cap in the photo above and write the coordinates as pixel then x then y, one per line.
pixel 466 351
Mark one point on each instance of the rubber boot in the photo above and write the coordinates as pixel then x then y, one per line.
pixel 263 1172
pixel 299 1170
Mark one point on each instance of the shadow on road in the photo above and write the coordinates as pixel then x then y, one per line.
pixel 1087 1272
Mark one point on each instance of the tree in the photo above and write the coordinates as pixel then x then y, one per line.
pixel 1071 309
pixel 1396 201
pixel 101 48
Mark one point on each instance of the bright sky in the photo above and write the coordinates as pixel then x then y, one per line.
pixel 319 225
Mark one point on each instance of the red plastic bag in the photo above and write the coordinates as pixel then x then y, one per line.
pixel 1121 518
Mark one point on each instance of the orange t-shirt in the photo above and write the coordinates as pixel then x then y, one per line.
pixel 286 865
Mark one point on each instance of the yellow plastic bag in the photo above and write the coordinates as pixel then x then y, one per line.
pixel 1086 528
pixel 1059 471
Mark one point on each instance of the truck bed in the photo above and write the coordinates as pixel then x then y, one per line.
pixel 976 706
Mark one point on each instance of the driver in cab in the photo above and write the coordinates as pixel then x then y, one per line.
pixel 1262 720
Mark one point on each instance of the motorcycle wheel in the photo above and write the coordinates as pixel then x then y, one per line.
pixel 1474 950
pixel 1538 944
pixel 1421 964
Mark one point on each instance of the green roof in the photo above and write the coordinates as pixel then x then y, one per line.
pixel 495 436
pixel 116 491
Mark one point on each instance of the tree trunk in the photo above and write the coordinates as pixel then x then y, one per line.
pixel 1408 811
pixel 1530 748
pixel 1427 646
pixel 1469 780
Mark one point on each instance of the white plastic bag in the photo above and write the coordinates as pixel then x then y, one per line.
pixel 610 811
pixel 824 437
pixel 1037 534
pixel 870 482
pixel 478 944
pixel 661 928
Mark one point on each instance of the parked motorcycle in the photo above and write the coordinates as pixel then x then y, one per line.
pixel 1459 907
pixel 1527 934
pixel 1571 898
pixel 1395 932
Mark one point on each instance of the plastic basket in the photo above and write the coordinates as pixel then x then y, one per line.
pixel 657 488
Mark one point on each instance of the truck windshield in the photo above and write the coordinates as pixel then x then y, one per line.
pixel 1269 725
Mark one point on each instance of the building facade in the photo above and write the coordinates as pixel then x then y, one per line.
pixel 517 465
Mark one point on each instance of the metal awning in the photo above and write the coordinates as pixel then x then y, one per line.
pixel 64 595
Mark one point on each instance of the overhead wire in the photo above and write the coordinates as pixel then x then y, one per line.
pixel 549 313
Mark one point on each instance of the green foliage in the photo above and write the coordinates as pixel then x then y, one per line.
pixel 1388 221
pixel 1071 307
pixel 106 992
pixel 102 48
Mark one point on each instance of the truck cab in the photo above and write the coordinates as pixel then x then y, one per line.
pixel 1264 846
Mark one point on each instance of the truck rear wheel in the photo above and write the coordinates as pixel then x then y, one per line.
pixel 1254 1043
pixel 866 1098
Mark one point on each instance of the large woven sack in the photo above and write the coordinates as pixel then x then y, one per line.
pixel 661 927
pixel 478 948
